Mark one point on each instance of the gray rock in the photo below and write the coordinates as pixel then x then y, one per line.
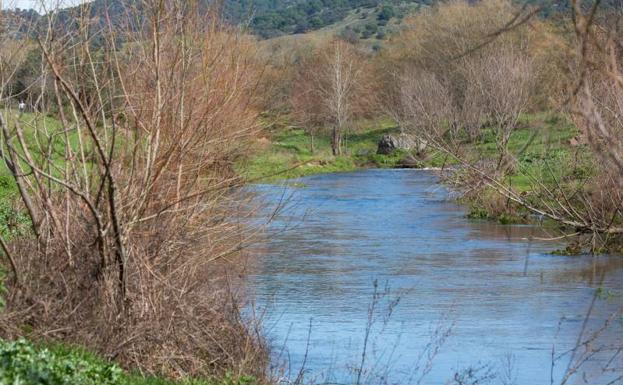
pixel 391 143
pixel 387 145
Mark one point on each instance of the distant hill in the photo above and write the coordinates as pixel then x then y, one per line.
pixel 271 18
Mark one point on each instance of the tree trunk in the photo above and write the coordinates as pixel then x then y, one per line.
pixel 336 142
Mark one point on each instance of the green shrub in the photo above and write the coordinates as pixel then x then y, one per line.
pixel 23 363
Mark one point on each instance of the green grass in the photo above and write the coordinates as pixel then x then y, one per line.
pixel 24 363
pixel 543 152
pixel 544 157
pixel 289 154
pixel 48 137
pixel 541 147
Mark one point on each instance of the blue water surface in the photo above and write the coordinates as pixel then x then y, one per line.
pixel 458 293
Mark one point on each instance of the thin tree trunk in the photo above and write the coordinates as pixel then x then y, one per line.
pixel 13 165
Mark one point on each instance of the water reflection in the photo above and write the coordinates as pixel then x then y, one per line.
pixel 502 290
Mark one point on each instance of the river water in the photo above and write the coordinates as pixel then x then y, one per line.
pixel 456 298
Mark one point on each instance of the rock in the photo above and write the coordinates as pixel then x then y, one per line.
pixel 409 161
pixel 391 143
pixel 387 145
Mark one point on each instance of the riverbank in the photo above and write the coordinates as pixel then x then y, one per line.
pixel 545 148
pixel 285 152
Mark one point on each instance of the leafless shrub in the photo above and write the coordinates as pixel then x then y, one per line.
pixel 501 84
pixel 425 104
pixel 457 73
pixel 136 242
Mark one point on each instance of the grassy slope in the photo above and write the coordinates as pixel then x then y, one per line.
pixel 358 17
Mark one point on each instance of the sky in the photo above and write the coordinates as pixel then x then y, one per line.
pixel 36 4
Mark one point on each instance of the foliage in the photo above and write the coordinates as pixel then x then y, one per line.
pixel 24 363
pixel 13 221
pixel 273 18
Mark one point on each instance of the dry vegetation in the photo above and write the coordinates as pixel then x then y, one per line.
pixel 134 223
pixel 331 89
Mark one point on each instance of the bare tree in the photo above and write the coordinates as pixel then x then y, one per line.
pixel 342 74
pixel 501 83
pixel 425 104
pixel 330 90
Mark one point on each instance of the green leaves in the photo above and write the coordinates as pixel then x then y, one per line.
pixel 21 363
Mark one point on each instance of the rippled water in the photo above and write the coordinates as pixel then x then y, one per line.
pixel 500 293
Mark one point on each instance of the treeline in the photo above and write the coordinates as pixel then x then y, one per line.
pixel 305 16
pixel 271 18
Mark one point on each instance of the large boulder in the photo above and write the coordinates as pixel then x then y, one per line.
pixel 391 143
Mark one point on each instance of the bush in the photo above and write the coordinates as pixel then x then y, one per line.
pixel 23 363
pixel 175 244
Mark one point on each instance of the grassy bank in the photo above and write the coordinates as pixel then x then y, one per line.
pixel 542 148
pixel 546 156
pixel 284 153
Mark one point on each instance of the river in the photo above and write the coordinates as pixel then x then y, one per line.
pixel 456 298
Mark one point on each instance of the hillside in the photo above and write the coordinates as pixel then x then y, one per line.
pixel 353 19
pixel 273 18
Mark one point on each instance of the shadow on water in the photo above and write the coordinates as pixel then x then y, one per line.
pixel 501 292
